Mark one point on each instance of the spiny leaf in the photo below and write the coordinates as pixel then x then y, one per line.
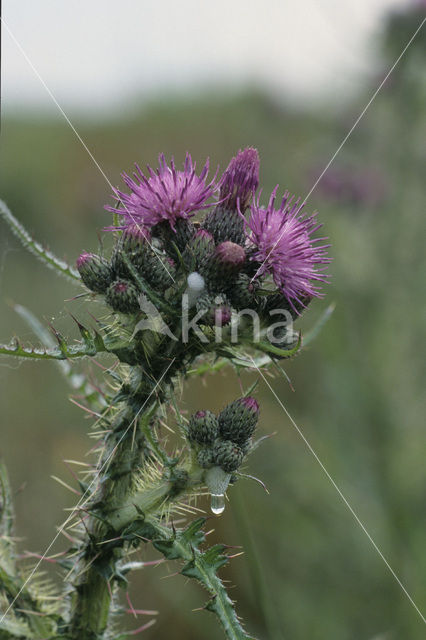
pixel 39 353
pixel 60 339
pixel 78 381
pixel 46 256
pixel 202 566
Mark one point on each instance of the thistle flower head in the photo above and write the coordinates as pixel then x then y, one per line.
pixel 95 271
pixel 203 427
pixel 283 244
pixel 230 253
pixel 250 403
pixel 238 419
pixel 240 179
pixel 166 194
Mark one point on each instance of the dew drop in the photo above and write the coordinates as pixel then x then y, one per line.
pixel 217 504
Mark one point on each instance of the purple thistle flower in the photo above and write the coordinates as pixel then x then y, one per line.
pixel 240 179
pixel 250 403
pixel 166 194
pixel 284 246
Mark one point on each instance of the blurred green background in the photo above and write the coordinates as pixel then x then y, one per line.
pixel 309 571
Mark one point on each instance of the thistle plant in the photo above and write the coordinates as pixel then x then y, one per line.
pixel 201 276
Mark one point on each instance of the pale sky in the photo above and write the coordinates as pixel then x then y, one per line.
pixel 103 55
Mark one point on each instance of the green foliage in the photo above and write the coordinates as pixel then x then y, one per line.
pixel 201 565
pixel 46 256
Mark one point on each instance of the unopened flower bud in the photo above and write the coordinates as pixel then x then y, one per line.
pixel 184 232
pixel 130 247
pixel 227 455
pixel 203 427
pixel 123 296
pixel 205 458
pixel 159 270
pixel 240 180
pixel 238 420
pixel 95 272
pixel 227 260
pixel 198 250
pixel 225 224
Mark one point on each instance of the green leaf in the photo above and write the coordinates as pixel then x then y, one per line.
pixel 282 353
pixel 77 381
pixel 202 566
pixel 41 353
pixel 46 256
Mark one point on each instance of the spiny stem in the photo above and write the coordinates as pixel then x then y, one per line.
pixel 122 460
pixel 46 256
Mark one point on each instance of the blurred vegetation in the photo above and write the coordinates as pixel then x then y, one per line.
pixel 309 571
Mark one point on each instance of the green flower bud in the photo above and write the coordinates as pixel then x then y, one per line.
pixel 203 427
pixel 225 224
pixel 132 246
pixel 205 458
pixel 238 420
pixel 123 296
pixel 135 247
pixel 95 272
pixel 159 270
pixel 224 265
pixel 198 250
pixel 227 455
pixel 184 232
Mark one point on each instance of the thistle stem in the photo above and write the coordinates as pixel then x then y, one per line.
pixel 122 460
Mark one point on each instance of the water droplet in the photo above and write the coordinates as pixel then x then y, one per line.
pixel 217 504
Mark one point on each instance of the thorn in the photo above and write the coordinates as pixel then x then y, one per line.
pixel 171 575
pixel 59 337
pixel 79 295
pixel 142 612
pixel 67 486
pixel 52 559
pixel 81 464
pixel 232 546
pixel 142 628
pixel 93 317
pixel 235 555
pixel 132 609
pixel 90 411
pixel 72 472
pixel 67 535
pixel 153 563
